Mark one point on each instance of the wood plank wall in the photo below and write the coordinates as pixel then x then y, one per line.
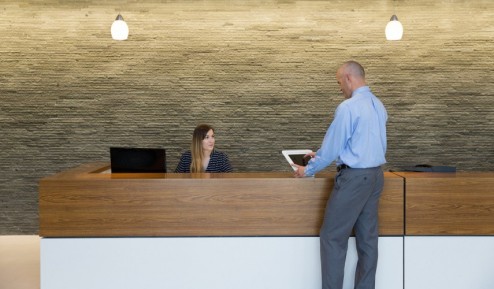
pixel 261 72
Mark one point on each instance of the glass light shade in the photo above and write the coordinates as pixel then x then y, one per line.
pixel 119 29
pixel 394 29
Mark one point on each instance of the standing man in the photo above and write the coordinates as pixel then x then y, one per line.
pixel 356 140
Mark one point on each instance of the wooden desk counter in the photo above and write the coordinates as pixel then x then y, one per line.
pixel 87 201
pixel 459 203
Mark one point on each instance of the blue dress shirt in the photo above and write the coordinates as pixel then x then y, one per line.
pixel 357 135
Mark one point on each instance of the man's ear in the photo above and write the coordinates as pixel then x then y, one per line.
pixel 349 79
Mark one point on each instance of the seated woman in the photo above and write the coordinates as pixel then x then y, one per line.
pixel 203 158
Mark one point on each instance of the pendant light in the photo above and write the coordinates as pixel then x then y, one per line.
pixel 119 29
pixel 394 29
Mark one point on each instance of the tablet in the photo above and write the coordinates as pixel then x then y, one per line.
pixel 296 157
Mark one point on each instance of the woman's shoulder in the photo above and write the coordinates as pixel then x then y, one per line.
pixel 183 165
pixel 219 162
pixel 220 154
pixel 187 153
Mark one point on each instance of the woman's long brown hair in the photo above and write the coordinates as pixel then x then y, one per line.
pixel 200 133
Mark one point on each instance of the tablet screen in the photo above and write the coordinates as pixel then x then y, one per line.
pixel 300 160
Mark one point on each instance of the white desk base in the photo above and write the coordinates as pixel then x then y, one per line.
pixel 202 263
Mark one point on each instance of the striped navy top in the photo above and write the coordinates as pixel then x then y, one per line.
pixel 218 163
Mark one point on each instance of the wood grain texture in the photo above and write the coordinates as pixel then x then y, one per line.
pixel 449 204
pixel 86 201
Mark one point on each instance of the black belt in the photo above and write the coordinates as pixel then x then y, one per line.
pixel 342 167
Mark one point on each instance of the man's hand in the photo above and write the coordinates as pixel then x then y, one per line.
pixel 311 155
pixel 300 172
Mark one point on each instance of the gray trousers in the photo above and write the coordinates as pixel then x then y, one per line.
pixel 353 204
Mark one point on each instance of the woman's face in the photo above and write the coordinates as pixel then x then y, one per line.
pixel 208 141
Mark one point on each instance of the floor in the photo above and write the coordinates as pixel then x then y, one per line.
pixel 19 262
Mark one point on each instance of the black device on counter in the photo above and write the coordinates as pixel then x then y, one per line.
pixel 137 160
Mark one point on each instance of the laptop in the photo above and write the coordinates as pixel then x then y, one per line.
pixel 137 160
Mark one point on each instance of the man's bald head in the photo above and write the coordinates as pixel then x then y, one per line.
pixel 350 76
pixel 354 68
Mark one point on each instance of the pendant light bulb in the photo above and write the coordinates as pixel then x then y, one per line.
pixel 119 29
pixel 394 29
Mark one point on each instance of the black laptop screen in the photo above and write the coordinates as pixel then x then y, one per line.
pixel 137 160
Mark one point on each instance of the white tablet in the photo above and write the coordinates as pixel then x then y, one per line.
pixel 296 157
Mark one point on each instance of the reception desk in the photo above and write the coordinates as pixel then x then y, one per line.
pixel 255 230
pixel 449 204
pixel 88 201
